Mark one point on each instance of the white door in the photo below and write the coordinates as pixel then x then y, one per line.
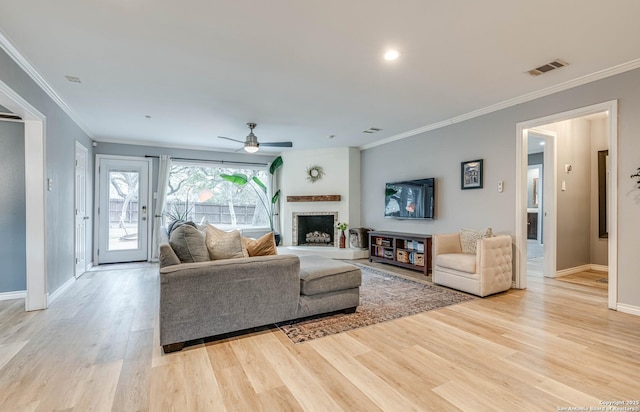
pixel 81 211
pixel 123 207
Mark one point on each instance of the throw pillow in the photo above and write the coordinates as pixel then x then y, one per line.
pixel 189 244
pixel 469 239
pixel 167 256
pixel 264 246
pixel 224 245
pixel 176 223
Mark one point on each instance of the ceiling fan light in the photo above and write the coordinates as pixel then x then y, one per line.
pixel 250 148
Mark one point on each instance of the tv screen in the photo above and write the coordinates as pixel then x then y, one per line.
pixel 411 199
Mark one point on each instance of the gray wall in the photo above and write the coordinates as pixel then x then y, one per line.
pixel 60 133
pixel 13 254
pixel 438 153
pixel 573 204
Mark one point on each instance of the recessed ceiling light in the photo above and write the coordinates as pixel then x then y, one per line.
pixel 391 54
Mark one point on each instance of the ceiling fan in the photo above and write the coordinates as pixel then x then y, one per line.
pixel 251 145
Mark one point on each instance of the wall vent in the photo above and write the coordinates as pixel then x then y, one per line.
pixel 556 64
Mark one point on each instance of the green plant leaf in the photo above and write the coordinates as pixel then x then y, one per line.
pixel 237 179
pixel 259 183
pixel 390 192
pixel 275 197
pixel 276 164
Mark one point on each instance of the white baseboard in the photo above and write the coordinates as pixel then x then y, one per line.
pixel 571 271
pixel 633 310
pixel 18 294
pixel 56 294
pixel 600 268
pixel 89 266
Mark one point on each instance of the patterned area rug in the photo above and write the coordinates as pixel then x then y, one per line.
pixel 383 296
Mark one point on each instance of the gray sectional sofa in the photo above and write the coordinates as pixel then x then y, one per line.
pixel 203 299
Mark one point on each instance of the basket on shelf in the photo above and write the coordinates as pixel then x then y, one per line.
pixel 419 259
pixel 402 256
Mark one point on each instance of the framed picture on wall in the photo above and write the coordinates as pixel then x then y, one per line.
pixel 471 174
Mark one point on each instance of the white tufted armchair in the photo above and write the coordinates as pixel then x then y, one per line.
pixel 486 272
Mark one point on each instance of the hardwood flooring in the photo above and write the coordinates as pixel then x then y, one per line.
pixel 591 278
pixel 96 348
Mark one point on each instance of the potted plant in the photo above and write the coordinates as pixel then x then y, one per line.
pixel 342 227
pixel 241 179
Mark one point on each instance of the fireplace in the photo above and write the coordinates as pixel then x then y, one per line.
pixel 314 228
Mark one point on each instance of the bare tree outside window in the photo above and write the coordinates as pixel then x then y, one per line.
pixel 198 192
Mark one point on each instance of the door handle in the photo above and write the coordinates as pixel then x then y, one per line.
pixel 86 218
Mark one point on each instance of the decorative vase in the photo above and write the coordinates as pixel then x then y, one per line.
pixel 343 240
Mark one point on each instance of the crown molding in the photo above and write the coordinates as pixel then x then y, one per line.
pixel 26 66
pixel 579 81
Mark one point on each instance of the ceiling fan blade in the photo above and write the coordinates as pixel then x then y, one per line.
pixel 233 140
pixel 277 144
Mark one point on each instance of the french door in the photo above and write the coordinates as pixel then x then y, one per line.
pixel 123 209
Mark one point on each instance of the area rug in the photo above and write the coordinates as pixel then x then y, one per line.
pixel 383 296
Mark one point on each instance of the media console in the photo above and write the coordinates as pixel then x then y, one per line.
pixel 407 250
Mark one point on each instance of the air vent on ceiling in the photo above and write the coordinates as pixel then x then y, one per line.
pixel 372 130
pixel 556 64
pixel 73 79
pixel 10 116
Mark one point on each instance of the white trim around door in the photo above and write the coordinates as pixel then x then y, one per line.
pixel 611 107
pixel 133 243
pixel 35 149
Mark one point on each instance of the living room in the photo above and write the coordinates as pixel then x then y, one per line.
pixel 489 130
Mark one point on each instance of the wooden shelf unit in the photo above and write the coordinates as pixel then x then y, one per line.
pixel 407 250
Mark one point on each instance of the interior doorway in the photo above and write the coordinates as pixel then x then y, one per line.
pixel 34 144
pixel 541 202
pixel 531 129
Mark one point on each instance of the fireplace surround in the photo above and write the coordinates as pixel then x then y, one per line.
pixel 314 229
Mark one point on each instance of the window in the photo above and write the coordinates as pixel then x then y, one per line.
pixel 196 192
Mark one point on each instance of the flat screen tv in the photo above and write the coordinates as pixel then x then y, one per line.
pixel 411 199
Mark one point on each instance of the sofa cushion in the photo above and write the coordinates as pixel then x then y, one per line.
pixel 177 223
pixel 224 245
pixel 167 257
pixel 189 244
pixel 321 275
pixel 464 262
pixel 263 246
pixel 469 239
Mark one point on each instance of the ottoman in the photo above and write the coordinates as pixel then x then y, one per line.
pixel 327 285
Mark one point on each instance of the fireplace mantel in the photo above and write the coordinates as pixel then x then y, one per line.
pixel 314 198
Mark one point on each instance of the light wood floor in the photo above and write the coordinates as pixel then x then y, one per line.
pixel 96 348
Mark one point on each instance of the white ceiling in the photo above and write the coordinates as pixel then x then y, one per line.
pixel 305 70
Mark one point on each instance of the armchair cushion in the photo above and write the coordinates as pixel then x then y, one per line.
pixel 464 262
